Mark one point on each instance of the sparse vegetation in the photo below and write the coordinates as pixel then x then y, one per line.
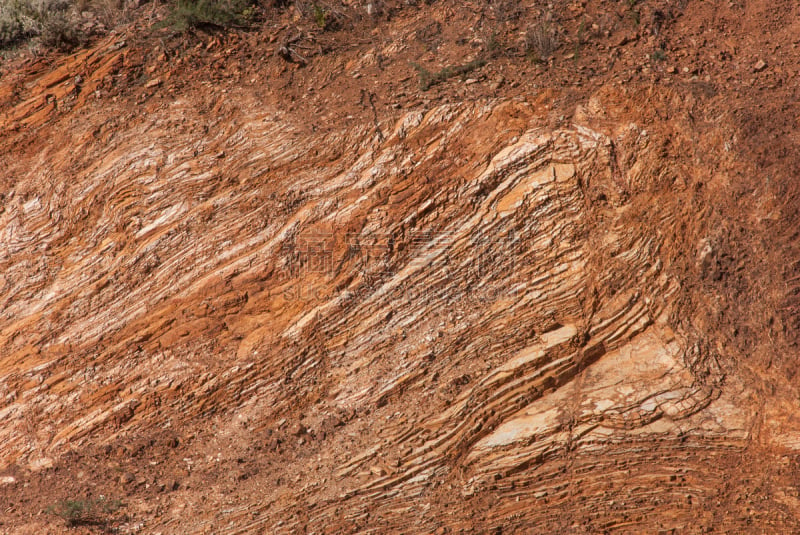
pixel 210 14
pixel 85 512
pixel 580 40
pixel 506 10
pixel 541 41
pixel 428 79
pixel 320 15
pixel 109 13
pixel 493 45
pixel 634 13
pixel 53 22
pixel 62 24
pixel 327 17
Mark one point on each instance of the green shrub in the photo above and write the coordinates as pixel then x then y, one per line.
pixel 210 14
pixel 326 17
pixel 320 16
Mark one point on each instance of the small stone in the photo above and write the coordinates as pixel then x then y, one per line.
pixel 377 470
pixel 298 429
pixel 760 65
pixel 626 38
pixel 40 464
pixel 153 83
pixel 7 480
pixel 495 85
pixel 126 478
pixel 274 444
pixel 330 422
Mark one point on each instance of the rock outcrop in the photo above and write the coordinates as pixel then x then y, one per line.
pixel 473 282
pixel 467 315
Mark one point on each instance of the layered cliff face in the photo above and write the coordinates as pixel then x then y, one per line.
pixel 464 316
pixel 476 286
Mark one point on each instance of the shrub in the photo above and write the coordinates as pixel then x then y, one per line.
pixel 60 30
pixel 320 16
pixel 85 512
pixel 210 14
pixel 541 41
pixel 327 17
pixel 54 22
pixel 428 79
pixel 110 13
pixel 493 45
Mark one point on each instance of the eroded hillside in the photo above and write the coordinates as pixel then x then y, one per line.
pixel 254 295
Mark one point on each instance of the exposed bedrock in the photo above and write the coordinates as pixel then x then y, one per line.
pixel 498 298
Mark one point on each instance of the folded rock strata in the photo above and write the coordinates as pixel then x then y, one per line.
pixel 492 294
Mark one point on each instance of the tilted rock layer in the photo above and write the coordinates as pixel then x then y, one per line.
pixel 464 318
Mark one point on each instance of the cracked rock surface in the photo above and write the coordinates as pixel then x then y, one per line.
pixel 465 315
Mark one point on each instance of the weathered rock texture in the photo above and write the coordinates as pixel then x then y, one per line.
pixel 463 317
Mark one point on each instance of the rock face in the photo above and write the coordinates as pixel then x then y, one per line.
pixel 470 316
pixel 470 280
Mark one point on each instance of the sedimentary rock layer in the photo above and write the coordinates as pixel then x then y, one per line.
pixel 486 290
